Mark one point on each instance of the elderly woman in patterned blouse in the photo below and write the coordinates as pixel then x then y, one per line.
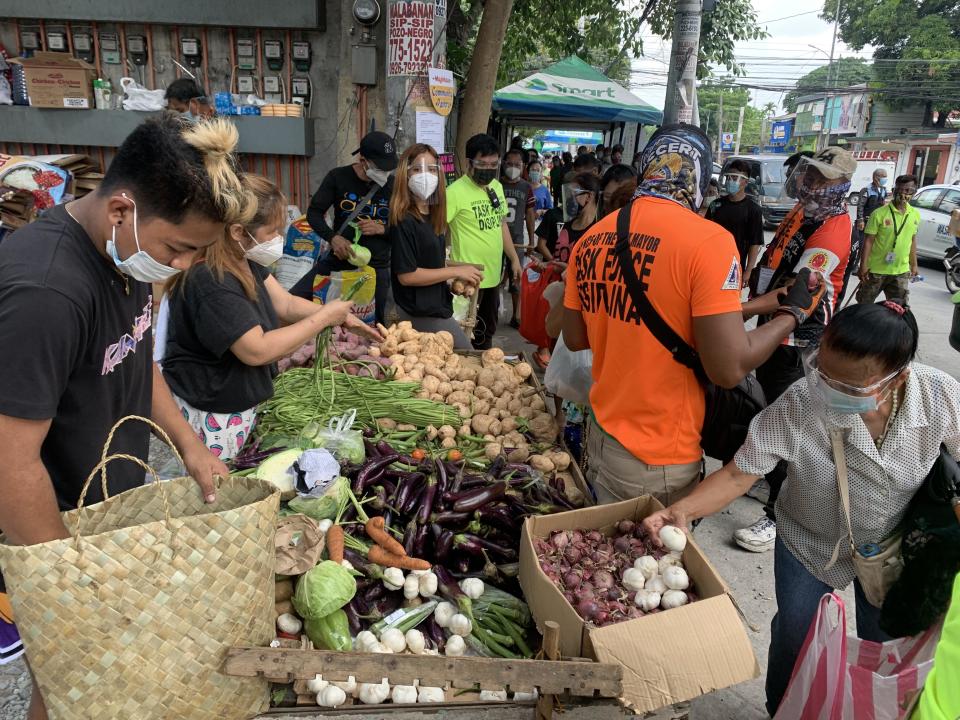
pixel 896 413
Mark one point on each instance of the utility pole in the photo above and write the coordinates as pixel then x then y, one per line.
pixel 736 147
pixel 823 138
pixel 682 77
pixel 720 133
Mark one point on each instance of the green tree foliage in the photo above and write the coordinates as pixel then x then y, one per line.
pixel 923 33
pixel 730 22
pixel 604 33
pixel 845 72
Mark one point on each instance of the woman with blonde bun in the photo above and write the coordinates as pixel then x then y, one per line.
pixel 230 321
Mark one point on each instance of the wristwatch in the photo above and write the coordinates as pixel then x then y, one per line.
pixel 796 313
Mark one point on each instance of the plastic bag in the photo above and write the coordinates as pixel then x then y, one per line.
pixel 137 97
pixel 569 374
pixel 533 306
pixel 339 438
pixel 332 286
pixel 837 677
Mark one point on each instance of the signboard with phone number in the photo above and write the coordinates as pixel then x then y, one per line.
pixel 410 38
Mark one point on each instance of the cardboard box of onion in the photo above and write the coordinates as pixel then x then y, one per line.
pixel 668 655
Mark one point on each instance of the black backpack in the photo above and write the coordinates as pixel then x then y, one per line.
pixel 729 412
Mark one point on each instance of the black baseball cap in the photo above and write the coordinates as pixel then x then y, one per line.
pixel 378 148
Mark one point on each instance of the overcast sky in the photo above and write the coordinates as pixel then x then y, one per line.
pixel 777 60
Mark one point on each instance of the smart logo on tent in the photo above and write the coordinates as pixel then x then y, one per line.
pixel 536 84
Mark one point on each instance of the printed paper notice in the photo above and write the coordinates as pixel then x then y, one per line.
pixel 410 37
pixel 430 128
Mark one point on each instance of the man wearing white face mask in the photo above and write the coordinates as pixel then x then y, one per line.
pixel 230 321
pixel 75 325
pixel 521 215
pixel 359 192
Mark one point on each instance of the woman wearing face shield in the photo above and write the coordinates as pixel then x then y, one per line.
pixel 418 224
pixel 894 415
pixel 230 321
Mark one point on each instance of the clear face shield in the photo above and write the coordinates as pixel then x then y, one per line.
pixel 732 181
pixel 573 200
pixel 840 398
pixel 424 176
pixel 809 186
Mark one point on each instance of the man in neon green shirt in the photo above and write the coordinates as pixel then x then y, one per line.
pixel 941 691
pixel 476 212
pixel 889 258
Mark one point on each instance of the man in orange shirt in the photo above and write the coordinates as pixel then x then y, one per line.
pixel 647 408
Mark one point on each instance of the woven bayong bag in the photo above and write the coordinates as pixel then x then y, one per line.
pixel 131 617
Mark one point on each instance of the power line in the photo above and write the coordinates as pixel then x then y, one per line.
pixel 788 17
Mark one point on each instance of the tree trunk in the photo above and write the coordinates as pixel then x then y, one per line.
pixel 482 75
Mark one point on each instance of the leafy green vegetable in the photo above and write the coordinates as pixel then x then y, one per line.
pixel 321 508
pixel 331 631
pixel 274 469
pixel 322 589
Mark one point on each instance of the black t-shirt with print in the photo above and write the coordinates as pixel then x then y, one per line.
pixel 549 227
pixel 76 347
pixel 416 245
pixel 341 189
pixel 744 220
pixel 207 316
pixel 559 236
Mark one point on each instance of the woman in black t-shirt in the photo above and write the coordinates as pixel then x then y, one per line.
pixel 418 220
pixel 225 335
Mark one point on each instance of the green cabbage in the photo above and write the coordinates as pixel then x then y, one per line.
pixel 320 508
pixel 321 590
pixel 360 257
pixel 331 632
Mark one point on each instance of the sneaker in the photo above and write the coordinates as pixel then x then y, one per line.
pixel 515 324
pixel 759 537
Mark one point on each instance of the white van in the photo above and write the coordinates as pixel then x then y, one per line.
pixel 864 176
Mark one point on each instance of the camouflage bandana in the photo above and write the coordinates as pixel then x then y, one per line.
pixel 824 202
pixel 676 164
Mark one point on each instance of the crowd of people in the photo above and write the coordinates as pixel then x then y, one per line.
pixel 650 284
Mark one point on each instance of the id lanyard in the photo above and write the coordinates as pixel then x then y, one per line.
pixel 892 255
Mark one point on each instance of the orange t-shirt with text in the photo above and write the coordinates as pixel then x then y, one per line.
pixel 689 268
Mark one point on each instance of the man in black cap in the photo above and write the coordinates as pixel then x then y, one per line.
pixel 358 193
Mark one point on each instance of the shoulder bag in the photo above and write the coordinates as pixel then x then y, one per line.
pixel 728 411
pixel 878 570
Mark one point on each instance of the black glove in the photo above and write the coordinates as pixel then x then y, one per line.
pixel 800 301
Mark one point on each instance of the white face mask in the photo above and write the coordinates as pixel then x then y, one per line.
pixel 380 177
pixel 512 173
pixel 140 266
pixel 265 253
pixel 423 185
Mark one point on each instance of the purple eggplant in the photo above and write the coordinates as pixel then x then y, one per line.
pixel 353 618
pixel 444 546
pixel 475 545
pixel 384 448
pixel 476 499
pixel 420 541
pixel 408 537
pixel 426 501
pixel 450 518
pixel 405 488
pixel 435 633
pixel 374 593
pixel 443 481
pixel 369 472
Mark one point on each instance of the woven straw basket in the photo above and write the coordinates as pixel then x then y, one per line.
pixel 131 617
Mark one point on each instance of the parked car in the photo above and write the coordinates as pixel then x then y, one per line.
pixel 766 185
pixel 935 203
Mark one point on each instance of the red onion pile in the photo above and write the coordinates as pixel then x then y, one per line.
pixel 589 568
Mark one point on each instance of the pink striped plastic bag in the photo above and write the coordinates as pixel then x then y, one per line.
pixel 845 678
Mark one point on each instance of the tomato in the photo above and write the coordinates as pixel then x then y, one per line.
pixel 418 454
pixel 454 455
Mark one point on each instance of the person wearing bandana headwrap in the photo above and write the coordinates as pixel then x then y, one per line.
pixel 815 234
pixel 647 408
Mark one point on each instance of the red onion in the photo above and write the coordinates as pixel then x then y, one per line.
pixel 572 580
pixel 576 537
pixel 626 526
pixel 601 617
pixel 622 544
pixel 613 593
pixel 634 613
pixel 572 554
pixel 560 540
pixel 587 609
pixel 594 537
pixel 603 579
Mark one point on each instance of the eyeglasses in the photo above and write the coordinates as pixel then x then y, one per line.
pixel 485 165
pixel 813 362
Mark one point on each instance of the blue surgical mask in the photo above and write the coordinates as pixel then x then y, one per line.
pixel 535 176
pixel 732 187
pixel 843 404
pixel 189 116
pixel 140 266
pixel 882 181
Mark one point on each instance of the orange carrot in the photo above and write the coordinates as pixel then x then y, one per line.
pixel 375 531
pixel 378 555
pixel 334 538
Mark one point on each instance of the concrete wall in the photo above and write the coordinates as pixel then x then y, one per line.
pixel 335 106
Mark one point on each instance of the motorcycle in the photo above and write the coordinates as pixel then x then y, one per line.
pixel 951 263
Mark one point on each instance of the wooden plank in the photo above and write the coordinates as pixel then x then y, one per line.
pixel 551 651
pixel 574 678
